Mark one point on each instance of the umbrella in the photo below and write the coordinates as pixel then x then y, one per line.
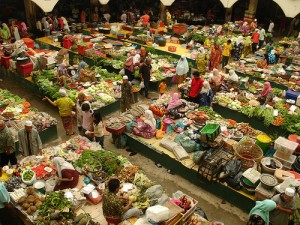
pixel 46 5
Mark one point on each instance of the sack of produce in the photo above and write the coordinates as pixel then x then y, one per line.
pixel 28 177
pixel 185 142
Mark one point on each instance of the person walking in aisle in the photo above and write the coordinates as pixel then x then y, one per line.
pixel 145 72
pixel 255 40
pixel 87 120
pixel 29 140
pixel 98 125
pixel 7 146
pixel 182 69
pixel 215 57
pixel 226 53
pixel 271 27
pixel 259 214
pixel 262 34
pixel 127 97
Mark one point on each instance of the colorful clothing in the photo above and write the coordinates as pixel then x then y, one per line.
pixel 112 205
pixel 162 88
pixel 67 123
pixel 227 49
pixel 206 98
pixel 65 106
pixel 68 173
pixel 4 195
pixel 126 96
pixel 259 214
pixel 145 19
pixel 215 58
pixel 238 51
pixel 201 62
pixel 196 86
pixel 5 33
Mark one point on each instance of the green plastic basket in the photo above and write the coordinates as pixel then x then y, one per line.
pixel 210 132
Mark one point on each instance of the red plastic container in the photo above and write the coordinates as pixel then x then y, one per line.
pixel 25 69
pixel 179 28
pixel 5 61
pixel 67 43
pixel 81 49
pixel 29 42
pixel 86 39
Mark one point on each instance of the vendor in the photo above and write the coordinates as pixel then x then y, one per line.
pixel 63 76
pixel 196 86
pixel 206 95
pixel 202 61
pixel 131 62
pixel 272 57
pixel 266 95
pixel 67 175
pixel 182 69
pixel 233 80
pixel 112 203
pixel 216 81
pixel 259 214
pixel 215 56
pixel 149 119
pixel 85 75
pixel 174 102
pixel 143 54
pixel 262 63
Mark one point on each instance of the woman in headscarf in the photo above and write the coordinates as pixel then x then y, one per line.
pixel 267 94
pixel 196 86
pixel 238 48
pixel 201 60
pixel 14 30
pixel 65 106
pixel 5 33
pixel 85 75
pixel 149 119
pixel 206 95
pixel 182 69
pixel 216 81
pixel 80 100
pixel 247 46
pixel 259 214
pixel 169 17
pixel 67 175
pixel 174 102
pixel 63 76
pixel 233 80
pixel 130 63
pixel 272 57
pixel 24 29
pixel 215 57
pixel 245 27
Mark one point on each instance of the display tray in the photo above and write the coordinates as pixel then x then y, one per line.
pixel 151 149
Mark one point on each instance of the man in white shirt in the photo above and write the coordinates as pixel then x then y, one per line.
pixel 271 27
pixel 124 17
pixel 262 34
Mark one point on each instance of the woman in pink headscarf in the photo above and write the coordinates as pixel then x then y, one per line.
pixel 267 94
pixel 216 81
pixel 174 102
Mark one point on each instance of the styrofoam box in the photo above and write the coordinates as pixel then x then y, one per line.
pixel 157 213
pixel 287 163
pixel 284 145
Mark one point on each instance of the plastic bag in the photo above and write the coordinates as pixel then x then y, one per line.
pixel 197 157
pixel 50 184
pixel 201 213
pixel 232 168
pixel 160 134
pixel 235 182
pixel 142 84
pixel 154 192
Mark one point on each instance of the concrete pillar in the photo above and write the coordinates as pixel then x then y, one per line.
pixel 228 14
pixel 251 12
pixel 30 13
pixel 162 12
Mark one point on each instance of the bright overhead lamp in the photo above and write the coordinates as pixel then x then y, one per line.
pixel 103 2
pixel 167 2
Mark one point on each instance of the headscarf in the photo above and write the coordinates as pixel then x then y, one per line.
pixel 175 101
pixel 24 27
pixel 245 24
pixel 60 164
pixel 182 66
pixel 5 31
pixel 81 65
pixel 248 41
pixel 150 120
pixel 62 69
pixel 262 209
pixel 239 40
pixel 62 92
pixel 202 50
pixel 267 89
pixel 233 76
pixel 205 88
pixel 216 78
pixel 136 59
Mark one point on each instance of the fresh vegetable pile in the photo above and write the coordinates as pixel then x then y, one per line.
pixel 28 175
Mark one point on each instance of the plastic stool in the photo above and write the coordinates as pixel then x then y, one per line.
pixel 112 220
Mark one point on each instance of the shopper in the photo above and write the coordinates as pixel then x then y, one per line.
pixel 87 120
pixel 145 72
pixel 271 27
pixel 80 100
pixel 226 53
pixel 65 106
pixel 245 28
pixel 7 146
pixel 202 61
pixel 29 140
pixel 113 205
pixel 238 48
pixel 67 175
pixel 262 34
pixel 259 214
pixel 233 81
pixel 162 87
pixel 196 86
pixel 127 97
pixel 215 57
pixel 253 25
pixel 145 19
pixel 255 40
pixel 247 46
pixel 124 17
pixel 286 206
pixel 5 33
pixel 143 54
pixel 149 119
pixel 98 128
pixel 182 69
pixel 266 94
pixel 129 65
pixel 206 95
pixel 216 81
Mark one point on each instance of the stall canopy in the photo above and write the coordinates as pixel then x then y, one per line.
pixel 291 8
pixel 46 5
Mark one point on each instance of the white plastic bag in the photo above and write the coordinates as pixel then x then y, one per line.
pixel 142 84
pixel 50 184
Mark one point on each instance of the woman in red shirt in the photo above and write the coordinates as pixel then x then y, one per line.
pixel 255 40
pixel 196 86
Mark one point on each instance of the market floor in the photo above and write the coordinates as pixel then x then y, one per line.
pixel 215 208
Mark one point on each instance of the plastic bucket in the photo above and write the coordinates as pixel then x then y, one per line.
pixel 263 141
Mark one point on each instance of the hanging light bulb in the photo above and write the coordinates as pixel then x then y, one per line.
pixel 167 2
pixel 103 2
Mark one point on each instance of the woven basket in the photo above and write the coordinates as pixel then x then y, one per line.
pixel 249 153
